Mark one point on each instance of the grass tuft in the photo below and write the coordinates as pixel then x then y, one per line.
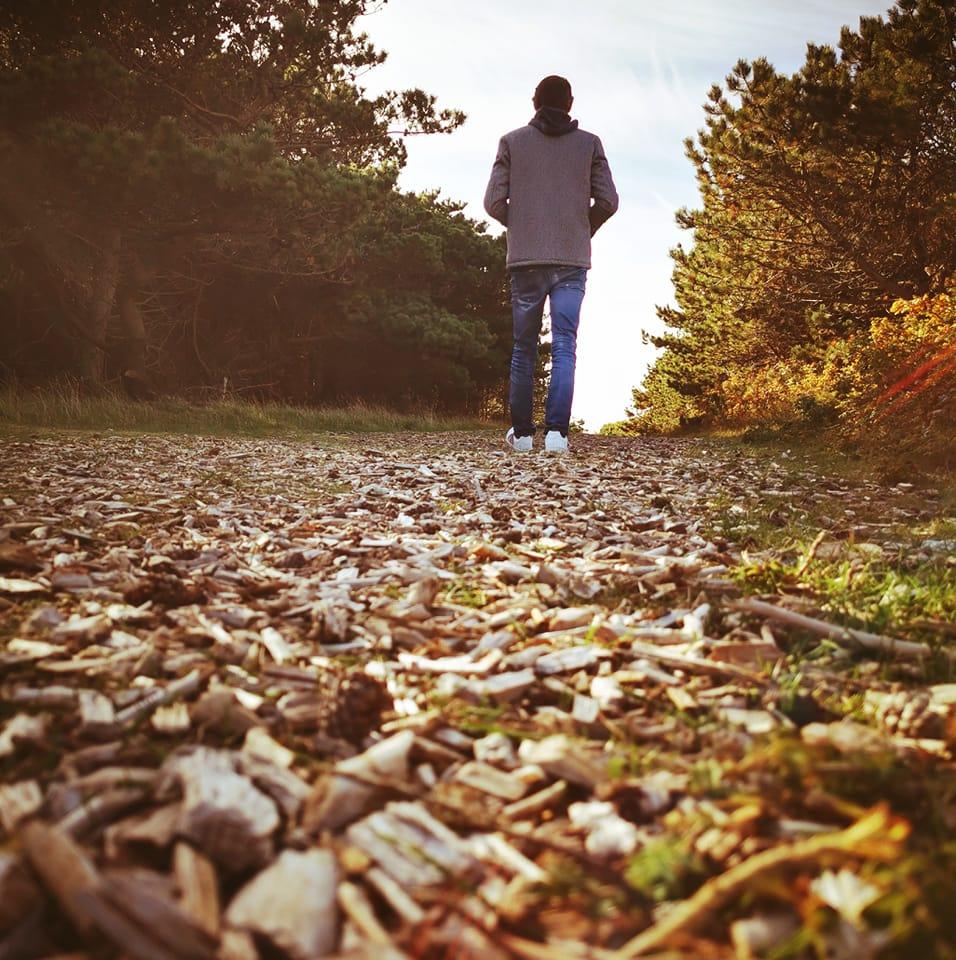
pixel 65 406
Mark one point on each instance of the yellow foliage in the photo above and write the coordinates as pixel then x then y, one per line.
pixel 776 393
pixel 897 380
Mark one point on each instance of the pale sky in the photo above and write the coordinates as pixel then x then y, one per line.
pixel 640 72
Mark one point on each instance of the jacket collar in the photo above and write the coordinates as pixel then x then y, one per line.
pixel 553 122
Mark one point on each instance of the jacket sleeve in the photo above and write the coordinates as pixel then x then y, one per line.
pixel 603 190
pixel 496 195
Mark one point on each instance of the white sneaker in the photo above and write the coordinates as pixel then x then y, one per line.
pixel 518 444
pixel 555 443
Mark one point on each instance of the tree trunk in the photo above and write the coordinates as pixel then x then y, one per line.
pixel 83 288
pixel 92 359
pixel 132 348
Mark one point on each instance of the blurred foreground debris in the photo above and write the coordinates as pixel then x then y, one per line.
pixel 264 699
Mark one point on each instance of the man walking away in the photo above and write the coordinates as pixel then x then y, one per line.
pixel 542 183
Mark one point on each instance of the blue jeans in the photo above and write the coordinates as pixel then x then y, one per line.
pixel 530 287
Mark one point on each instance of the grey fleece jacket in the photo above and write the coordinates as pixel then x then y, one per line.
pixel 541 188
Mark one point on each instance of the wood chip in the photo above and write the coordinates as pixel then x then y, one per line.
pixel 17 802
pixel 63 868
pixel 222 813
pixel 198 886
pixel 171 720
pixel 97 715
pixel 488 779
pixel 537 802
pixel 303 926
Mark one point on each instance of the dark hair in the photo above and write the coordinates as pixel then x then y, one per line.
pixel 553 91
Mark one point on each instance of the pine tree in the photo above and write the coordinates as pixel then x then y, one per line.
pixel 207 188
pixel 825 195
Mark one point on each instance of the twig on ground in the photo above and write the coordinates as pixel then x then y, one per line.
pixel 876 835
pixel 862 638
pixel 811 553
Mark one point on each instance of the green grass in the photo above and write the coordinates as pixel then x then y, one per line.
pixel 466 595
pixel 665 869
pixel 777 523
pixel 915 602
pixel 851 581
pixel 826 453
pixel 65 406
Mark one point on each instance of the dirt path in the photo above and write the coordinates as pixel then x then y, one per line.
pixel 572 712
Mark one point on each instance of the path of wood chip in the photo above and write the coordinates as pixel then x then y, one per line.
pixel 411 695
